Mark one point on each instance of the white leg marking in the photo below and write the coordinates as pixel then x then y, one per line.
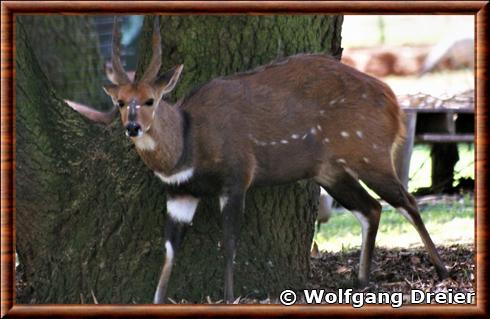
pixel 222 202
pixel 359 134
pixel 145 142
pixel 406 215
pixel 364 222
pixel 344 134
pixel 169 251
pixel 177 178
pixel 182 208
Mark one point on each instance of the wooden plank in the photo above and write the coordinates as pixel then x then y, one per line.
pixel 444 138
pixel 439 110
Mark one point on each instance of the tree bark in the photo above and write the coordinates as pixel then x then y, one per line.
pixel 90 215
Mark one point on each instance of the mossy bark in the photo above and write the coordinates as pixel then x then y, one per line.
pixel 90 215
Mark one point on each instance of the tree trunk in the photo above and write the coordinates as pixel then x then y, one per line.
pixel 90 215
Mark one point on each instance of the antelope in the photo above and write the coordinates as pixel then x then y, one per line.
pixel 334 124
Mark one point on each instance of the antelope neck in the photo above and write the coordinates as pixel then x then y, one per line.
pixel 168 133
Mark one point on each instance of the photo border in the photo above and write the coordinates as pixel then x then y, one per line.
pixel 10 8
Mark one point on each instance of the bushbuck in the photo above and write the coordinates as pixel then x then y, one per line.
pixel 334 125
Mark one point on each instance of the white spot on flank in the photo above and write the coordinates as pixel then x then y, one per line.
pixel 284 141
pixel 342 100
pixel 344 134
pixel 341 160
pixel 364 95
pixel 322 112
pixel 319 127
pixel 273 143
pixel 359 134
pixel 295 136
pixel 144 142
pixel 326 140
pixel 375 146
pixel 365 159
pixel 332 102
pixel 169 251
pixel 176 178
pixel 304 136
pixel 222 202
pixel 313 131
pixel 182 208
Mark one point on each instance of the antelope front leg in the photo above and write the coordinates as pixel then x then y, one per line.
pixel 232 207
pixel 180 211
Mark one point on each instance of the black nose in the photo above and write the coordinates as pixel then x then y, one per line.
pixel 133 129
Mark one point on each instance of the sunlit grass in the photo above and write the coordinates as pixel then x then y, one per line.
pixel 420 165
pixel 447 224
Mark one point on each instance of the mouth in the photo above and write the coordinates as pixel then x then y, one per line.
pixel 140 134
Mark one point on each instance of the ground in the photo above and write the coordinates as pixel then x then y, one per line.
pixel 393 270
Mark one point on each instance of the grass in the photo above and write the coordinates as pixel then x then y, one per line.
pixel 447 224
pixel 420 165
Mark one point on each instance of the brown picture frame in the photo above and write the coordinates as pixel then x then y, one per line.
pixel 9 9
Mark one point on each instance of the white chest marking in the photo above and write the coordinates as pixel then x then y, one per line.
pixel 182 208
pixel 145 143
pixel 176 178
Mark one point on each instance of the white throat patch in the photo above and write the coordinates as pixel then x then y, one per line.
pixel 176 178
pixel 145 142
pixel 182 209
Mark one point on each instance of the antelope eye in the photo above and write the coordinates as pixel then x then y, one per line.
pixel 149 102
pixel 120 103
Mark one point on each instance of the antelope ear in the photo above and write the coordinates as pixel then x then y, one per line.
pixel 94 115
pixel 167 82
pixel 109 72
pixel 112 90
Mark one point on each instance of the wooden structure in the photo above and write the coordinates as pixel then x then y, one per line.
pixel 443 127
